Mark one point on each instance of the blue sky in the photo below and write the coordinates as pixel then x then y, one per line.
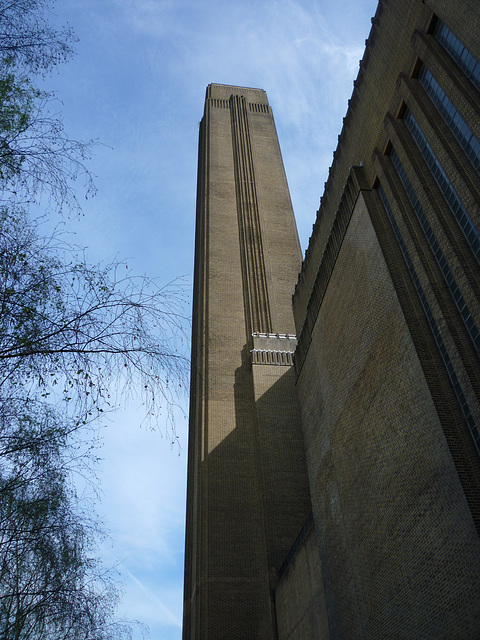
pixel 137 84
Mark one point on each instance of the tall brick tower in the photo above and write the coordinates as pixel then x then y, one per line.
pixel 385 541
pixel 247 482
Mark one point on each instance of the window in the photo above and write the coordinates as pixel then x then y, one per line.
pixel 467 63
pixel 433 325
pixel 437 251
pixel 451 116
pixel 457 208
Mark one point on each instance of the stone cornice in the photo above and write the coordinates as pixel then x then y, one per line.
pixel 273 349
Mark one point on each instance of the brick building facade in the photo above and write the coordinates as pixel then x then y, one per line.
pixel 334 468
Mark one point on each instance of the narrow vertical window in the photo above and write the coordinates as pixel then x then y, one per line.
pixel 462 56
pixel 451 116
pixel 453 201
pixel 433 325
pixel 437 252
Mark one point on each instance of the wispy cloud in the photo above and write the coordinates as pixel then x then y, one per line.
pixel 284 46
pixel 157 610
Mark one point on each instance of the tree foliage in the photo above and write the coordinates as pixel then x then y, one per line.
pixel 50 587
pixel 37 157
pixel 86 331
pixel 75 340
pixel 45 576
pixel 28 39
